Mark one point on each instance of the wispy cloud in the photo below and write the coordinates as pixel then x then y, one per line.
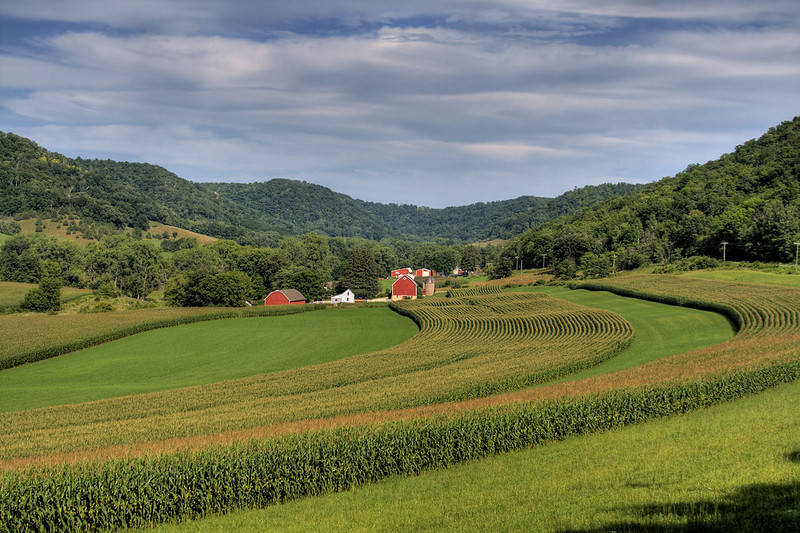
pixel 491 99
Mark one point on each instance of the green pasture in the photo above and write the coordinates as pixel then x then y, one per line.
pixel 695 471
pixel 201 353
pixel 660 330
pixel 11 293
pixel 747 276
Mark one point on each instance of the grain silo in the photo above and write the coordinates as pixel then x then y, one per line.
pixel 429 287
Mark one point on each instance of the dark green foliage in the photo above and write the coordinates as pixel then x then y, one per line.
pixel 361 274
pixel 47 297
pixel 310 283
pixel 501 269
pixel 749 199
pixel 34 180
pixel 141 492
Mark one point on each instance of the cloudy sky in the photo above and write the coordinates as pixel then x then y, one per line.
pixel 426 102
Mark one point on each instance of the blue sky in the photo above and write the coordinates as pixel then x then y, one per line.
pixel 431 103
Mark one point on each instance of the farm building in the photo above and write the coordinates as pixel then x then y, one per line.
pixel 401 272
pixel 404 287
pixel 285 297
pixel 424 272
pixel 347 297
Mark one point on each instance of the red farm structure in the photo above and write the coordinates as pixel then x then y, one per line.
pixel 285 297
pixel 401 272
pixel 404 288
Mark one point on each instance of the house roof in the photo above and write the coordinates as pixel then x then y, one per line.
pixel 292 294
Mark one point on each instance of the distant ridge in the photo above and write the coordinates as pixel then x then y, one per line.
pixel 37 182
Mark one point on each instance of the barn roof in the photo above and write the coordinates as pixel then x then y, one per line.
pixel 404 276
pixel 292 294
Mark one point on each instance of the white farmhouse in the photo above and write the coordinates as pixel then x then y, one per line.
pixel 347 297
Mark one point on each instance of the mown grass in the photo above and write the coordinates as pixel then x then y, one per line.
pixel 694 471
pixel 660 330
pixel 747 276
pixel 206 352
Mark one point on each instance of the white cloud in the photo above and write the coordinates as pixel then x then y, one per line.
pixel 520 108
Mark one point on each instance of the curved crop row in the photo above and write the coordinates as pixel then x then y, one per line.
pixel 757 310
pixel 134 492
pixel 477 345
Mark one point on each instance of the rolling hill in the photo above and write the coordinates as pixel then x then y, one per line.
pixel 37 182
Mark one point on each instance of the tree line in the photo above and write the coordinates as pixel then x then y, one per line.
pixel 223 273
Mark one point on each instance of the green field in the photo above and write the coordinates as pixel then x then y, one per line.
pixel 711 466
pixel 11 293
pixel 694 470
pixel 747 276
pixel 199 353
pixel 660 330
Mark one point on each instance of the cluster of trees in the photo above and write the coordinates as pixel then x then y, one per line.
pixel 749 200
pixel 223 273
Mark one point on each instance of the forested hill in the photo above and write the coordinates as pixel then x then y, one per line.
pixel 748 199
pixel 37 182
pixel 307 207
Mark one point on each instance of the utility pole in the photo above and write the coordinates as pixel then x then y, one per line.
pixel 543 257
pixel 614 267
pixel 516 263
pixel 724 250
pixel 796 254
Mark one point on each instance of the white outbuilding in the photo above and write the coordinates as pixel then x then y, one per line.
pixel 347 297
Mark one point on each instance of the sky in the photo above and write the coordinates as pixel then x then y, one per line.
pixel 434 103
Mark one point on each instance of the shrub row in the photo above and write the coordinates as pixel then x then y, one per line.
pixel 146 491
pixel 53 351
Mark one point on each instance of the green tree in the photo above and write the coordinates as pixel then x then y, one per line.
pixel 470 258
pixel 140 269
pixel 361 274
pixel 226 289
pixel 47 296
pixel 311 283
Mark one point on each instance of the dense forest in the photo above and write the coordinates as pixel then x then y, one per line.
pixel 745 206
pixel 37 182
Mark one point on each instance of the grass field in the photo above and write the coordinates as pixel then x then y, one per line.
pixel 692 471
pixel 205 352
pixel 11 293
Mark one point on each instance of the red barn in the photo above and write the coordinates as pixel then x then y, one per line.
pixel 424 272
pixel 401 272
pixel 285 297
pixel 403 288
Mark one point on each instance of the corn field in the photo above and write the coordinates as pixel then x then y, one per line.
pixel 471 345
